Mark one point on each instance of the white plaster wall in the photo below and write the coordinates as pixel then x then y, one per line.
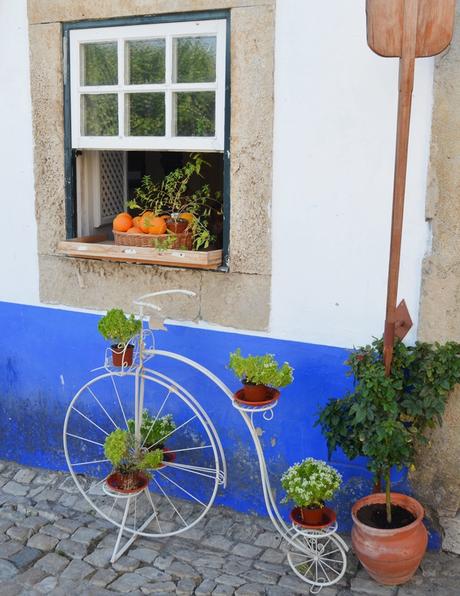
pixel 335 128
pixel 18 244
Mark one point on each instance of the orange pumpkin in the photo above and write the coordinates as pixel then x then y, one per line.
pixel 137 221
pixel 134 230
pixel 122 222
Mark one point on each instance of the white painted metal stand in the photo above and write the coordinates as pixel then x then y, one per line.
pixel 318 557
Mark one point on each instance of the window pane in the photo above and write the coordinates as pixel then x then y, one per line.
pixel 145 113
pixel 99 115
pixel 195 113
pixel 99 63
pixel 145 61
pixel 195 59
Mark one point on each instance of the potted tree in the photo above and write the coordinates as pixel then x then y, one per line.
pixel 309 484
pixel 119 328
pixel 385 418
pixel 154 432
pixel 131 462
pixel 261 376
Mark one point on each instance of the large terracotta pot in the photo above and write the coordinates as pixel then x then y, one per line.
pixel 391 557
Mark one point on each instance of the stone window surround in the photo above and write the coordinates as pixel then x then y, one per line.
pixel 239 298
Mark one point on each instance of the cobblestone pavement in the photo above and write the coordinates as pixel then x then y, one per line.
pixel 51 543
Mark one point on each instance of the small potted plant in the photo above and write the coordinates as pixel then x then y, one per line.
pixel 261 376
pixel 154 433
pixel 119 328
pixel 309 484
pixel 131 462
pixel 385 418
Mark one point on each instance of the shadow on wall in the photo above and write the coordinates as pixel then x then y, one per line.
pixel 47 355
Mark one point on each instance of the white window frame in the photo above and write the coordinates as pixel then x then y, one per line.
pixel 167 31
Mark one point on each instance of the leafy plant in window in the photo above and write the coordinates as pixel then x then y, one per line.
pixel 385 418
pixel 174 196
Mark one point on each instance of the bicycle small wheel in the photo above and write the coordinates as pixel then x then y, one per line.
pixel 320 560
pixel 179 493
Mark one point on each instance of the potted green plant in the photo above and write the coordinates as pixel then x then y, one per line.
pixel 154 432
pixel 309 484
pixel 188 210
pixel 385 418
pixel 119 328
pixel 261 376
pixel 131 462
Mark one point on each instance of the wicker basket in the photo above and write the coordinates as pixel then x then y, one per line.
pixel 182 241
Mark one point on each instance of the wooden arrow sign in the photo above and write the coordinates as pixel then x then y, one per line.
pixel 409 29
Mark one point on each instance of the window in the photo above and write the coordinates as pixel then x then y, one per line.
pixel 140 100
pixel 157 86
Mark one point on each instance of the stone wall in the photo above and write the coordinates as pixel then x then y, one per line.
pixel 240 298
pixel 437 478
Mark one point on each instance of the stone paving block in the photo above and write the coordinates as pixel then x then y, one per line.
pixel 258 576
pixel 271 555
pixel 215 562
pixel 102 577
pixel 209 573
pixel 87 535
pixel 365 585
pixel 294 584
pixel 19 534
pixel 126 563
pixel 7 569
pixel 68 500
pixel 7 549
pixel 68 485
pixel 218 542
pixel 127 583
pixel 237 567
pixel 183 571
pixel 72 549
pixel 35 491
pixel 52 563
pixel 26 557
pixel 145 555
pixel 223 590
pixel 35 523
pixel 163 562
pixel 185 587
pixel 230 580
pixel 77 569
pixel 52 530
pixel 159 588
pixel 46 585
pixel 45 478
pixel 205 588
pixel 43 542
pixel 153 574
pixel 25 475
pixel 278 568
pixel 11 588
pixel 13 488
pixel 100 557
pixel 268 539
pixel 250 590
pixel 67 525
pixel 246 550
pixel 31 577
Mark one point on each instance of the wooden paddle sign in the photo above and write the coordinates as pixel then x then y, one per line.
pixel 407 29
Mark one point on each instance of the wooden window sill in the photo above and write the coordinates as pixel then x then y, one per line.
pixel 98 247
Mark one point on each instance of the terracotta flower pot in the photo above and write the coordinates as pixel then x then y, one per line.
pixel 255 393
pixel 391 557
pixel 168 456
pixel 127 483
pixel 122 356
pixel 318 517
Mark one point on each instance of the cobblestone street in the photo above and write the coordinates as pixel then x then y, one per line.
pixel 51 543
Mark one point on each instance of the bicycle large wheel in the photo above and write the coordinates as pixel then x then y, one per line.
pixel 180 492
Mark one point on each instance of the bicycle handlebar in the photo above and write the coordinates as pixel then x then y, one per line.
pixel 141 300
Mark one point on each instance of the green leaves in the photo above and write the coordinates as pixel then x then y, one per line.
pixel 384 418
pixel 260 370
pixel 310 483
pixel 119 328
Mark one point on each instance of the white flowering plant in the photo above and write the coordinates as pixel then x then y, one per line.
pixel 310 483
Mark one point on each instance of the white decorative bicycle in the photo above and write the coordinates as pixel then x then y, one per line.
pixel 183 489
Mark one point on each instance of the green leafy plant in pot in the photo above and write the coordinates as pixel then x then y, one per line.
pixel 131 462
pixel 154 432
pixel 119 328
pixel 261 376
pixel 309 484
pixel 385 418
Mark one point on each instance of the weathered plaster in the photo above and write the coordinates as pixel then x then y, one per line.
pixel 100 284
pixel 437 479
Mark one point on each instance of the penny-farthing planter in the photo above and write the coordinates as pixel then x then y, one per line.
pixel 183 489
